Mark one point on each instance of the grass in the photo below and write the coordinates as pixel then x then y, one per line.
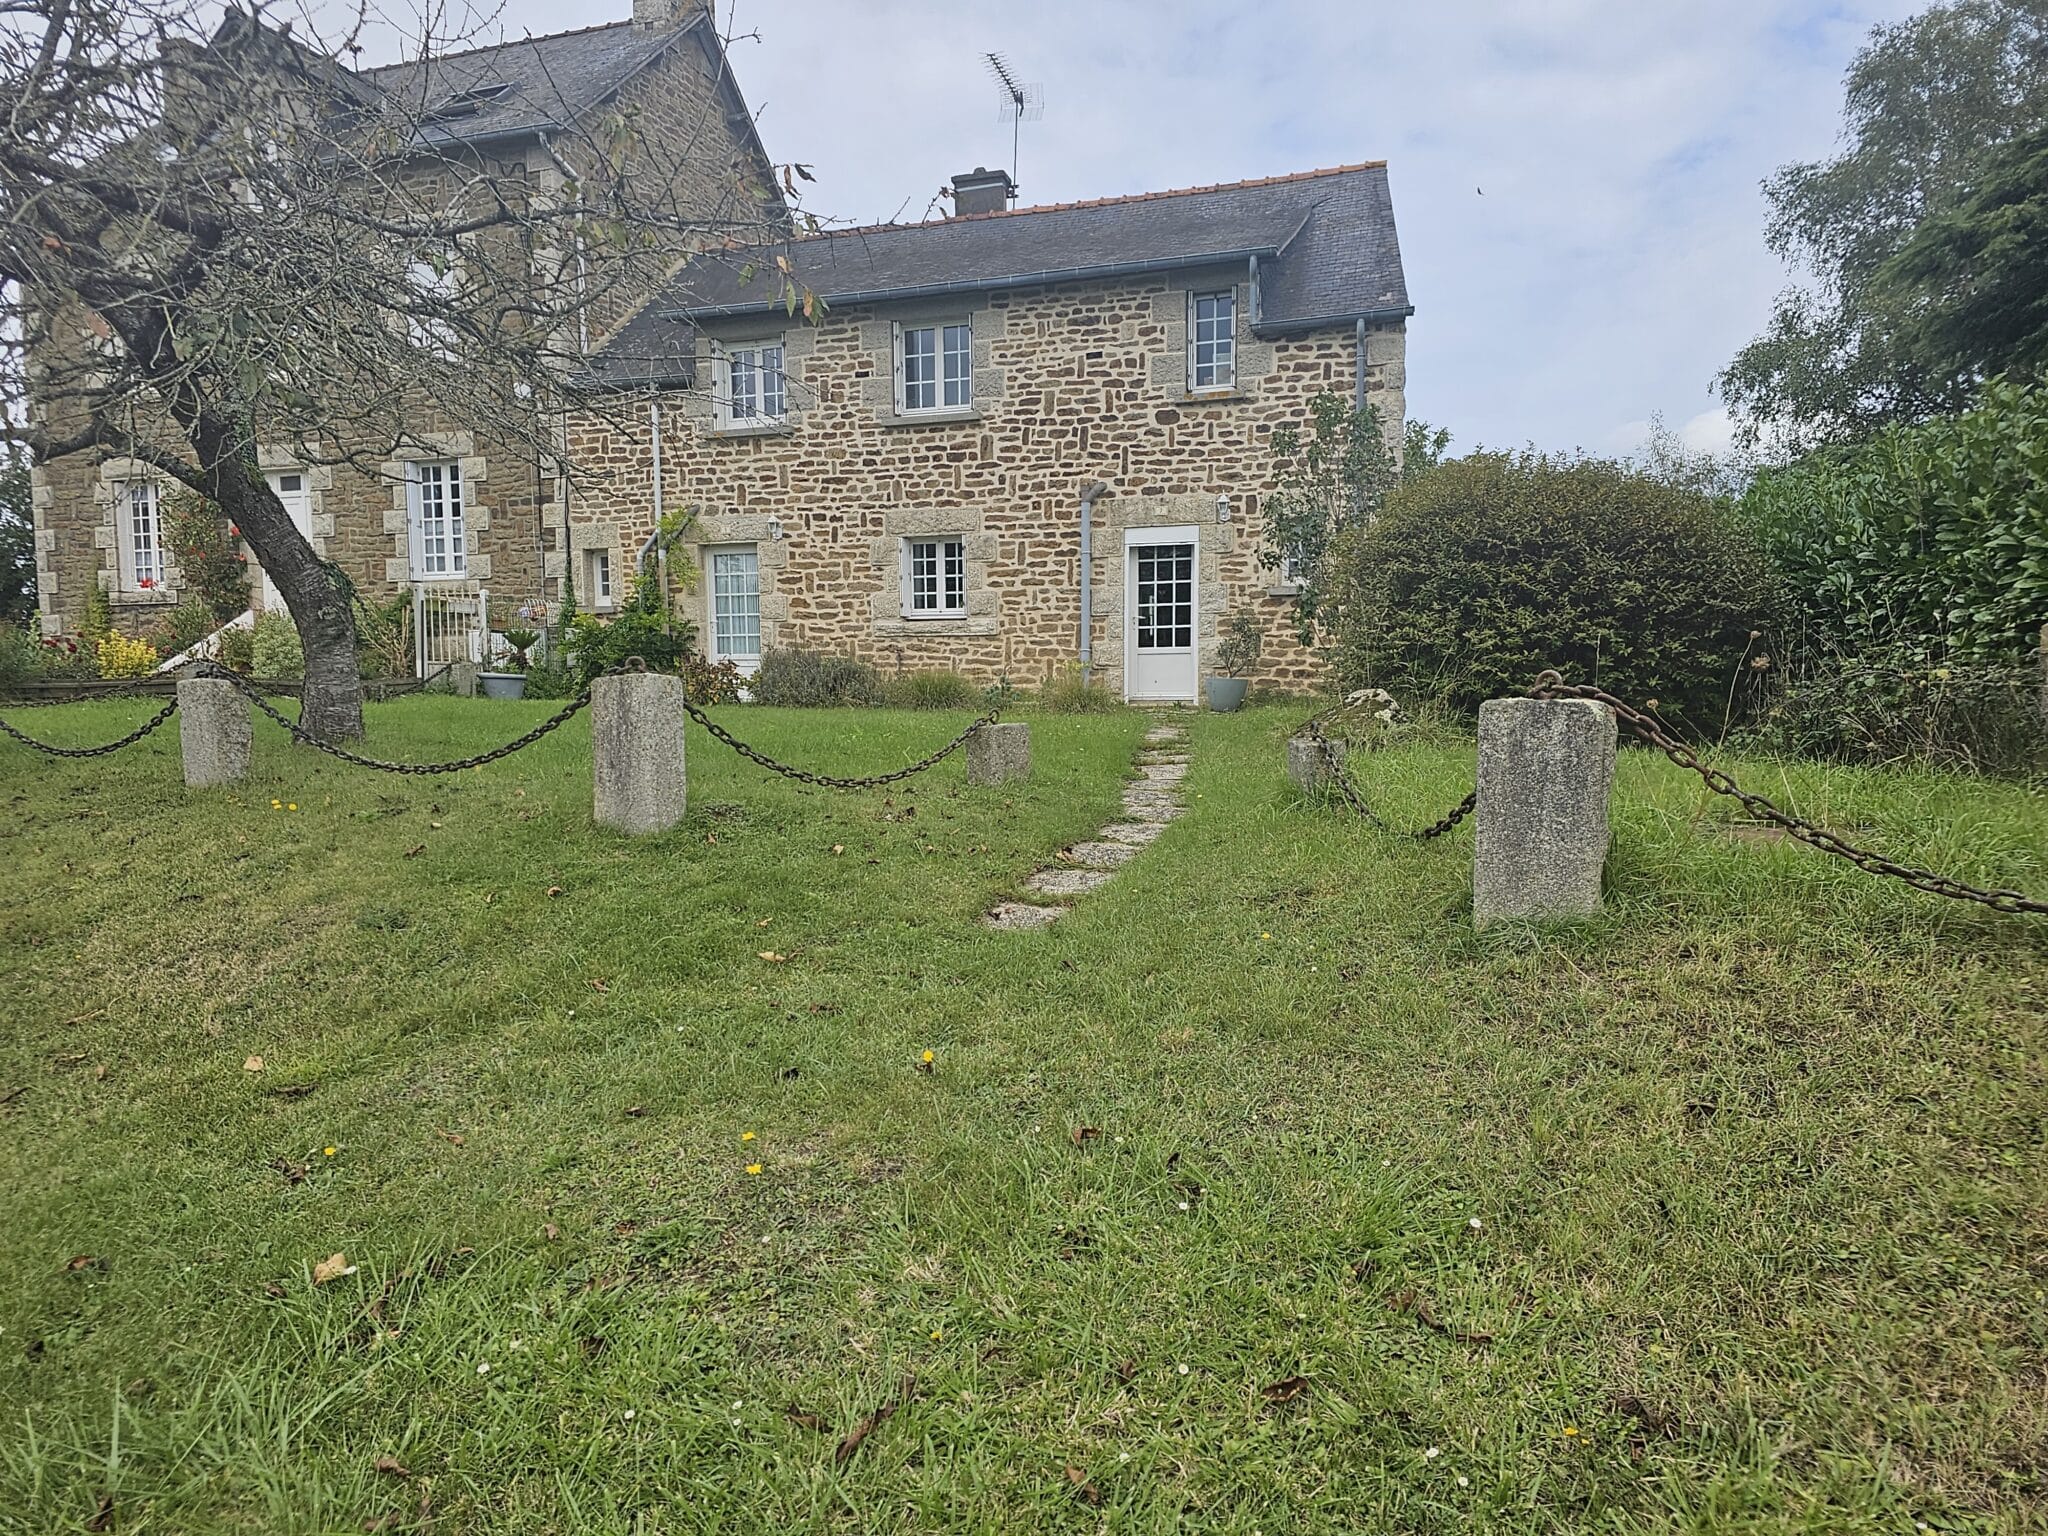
pixel 1724 1212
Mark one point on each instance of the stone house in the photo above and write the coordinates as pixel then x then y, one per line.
pixel 443 511
pixel 1016 440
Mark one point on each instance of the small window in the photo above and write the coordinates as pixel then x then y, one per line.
pixel 432 283
pixel 439 552
pixel 755 394
pixel 934 578
pixel 137 505
pixel 1212 340
pixel 1293 568
pixel 597 576
pixel 934 367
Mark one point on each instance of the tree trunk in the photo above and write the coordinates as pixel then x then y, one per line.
pixel 333 699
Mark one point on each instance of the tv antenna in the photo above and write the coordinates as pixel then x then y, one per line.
pixel 1021 103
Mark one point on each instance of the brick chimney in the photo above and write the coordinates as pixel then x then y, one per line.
pixel 982 190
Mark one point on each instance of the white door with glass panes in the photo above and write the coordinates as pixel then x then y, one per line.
pixel 290 485
pixel 1160 619
pixel 434 511
pixel 736 606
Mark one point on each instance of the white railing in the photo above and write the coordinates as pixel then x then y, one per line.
pixel 450 623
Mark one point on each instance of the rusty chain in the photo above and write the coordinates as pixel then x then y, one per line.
pixel 1551 685
pixel 832 781
pixel 553 722
pixel 100 751
pixel 1333 761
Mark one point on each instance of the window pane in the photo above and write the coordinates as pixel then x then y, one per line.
pixel 743 386
pixel 920 368
pixel 771 381
pixel 959 365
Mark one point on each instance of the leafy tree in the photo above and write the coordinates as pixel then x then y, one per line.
pixel 1927 102
pixel 1484 571
pixel 1977 275
pixel 17 540
pixel 215 233
pixel 1332 475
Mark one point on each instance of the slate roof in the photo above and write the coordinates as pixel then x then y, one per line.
pixel 1326 241
pixel 548 80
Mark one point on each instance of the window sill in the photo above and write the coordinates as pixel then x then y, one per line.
pixel 761 429
pixel 1231 396
pixel 1284 589
pixel 928 418
pixel 154 597
pixel 950 616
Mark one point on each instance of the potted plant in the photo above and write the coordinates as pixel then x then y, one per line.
pixel 1239 644
pixel 509 682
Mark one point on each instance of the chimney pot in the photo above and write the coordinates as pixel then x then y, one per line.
pixel 982 190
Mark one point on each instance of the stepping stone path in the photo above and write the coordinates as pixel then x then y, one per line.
pixel 1149 804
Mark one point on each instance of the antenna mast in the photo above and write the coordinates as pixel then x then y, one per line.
pixel 1021 103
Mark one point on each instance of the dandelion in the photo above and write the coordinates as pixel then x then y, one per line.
pixel 277 805
pixel 938 1333
pixel 291 805
pixel 753 1167
pixel 930 1057
pixel 1570 1430
pixel 327 1151
pixel 1265 935
pixel 746 1135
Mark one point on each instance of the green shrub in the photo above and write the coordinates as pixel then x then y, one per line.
pixel 238 650
pixel 1930 541
pixel 1483 572
pixel 1066 693
pixel 185 626
pixel 209 565
pixel 802 679
pixel 711 682
pixel 552 678
pixel 646 627
pixel 384 637
pixel 274 648
pixel 931 690
pixel 1889 706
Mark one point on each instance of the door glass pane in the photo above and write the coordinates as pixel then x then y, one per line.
pixel 736 602
pixel 1164 592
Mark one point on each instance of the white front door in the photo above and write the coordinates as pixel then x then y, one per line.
pixel 1160 621
pixel 736 606
pixel 290 485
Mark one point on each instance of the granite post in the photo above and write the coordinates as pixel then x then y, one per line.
pixel 997 754
pixel 1546 767
pixel 1312 762
pixel 215 731
pixel 636 737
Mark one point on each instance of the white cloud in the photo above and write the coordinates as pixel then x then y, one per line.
pixel 1576 180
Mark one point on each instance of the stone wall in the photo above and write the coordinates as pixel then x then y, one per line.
pixel 1072 384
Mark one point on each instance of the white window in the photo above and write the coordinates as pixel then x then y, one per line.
pixel 439 552
pixel 934 578
pixel 597 577
pixel 431 283
pixel 754 392
pixel 138 509
pixel 1212 340
pixel 736 606
pixel 1292 568
pixel 934 367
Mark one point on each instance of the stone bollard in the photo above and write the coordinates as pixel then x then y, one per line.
pixel 996 754
pixel 636 737
pixel 462 679
pixel 1311 762
pixel 215 730
pixel 1545 769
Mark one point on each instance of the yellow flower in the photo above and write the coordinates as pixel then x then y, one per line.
pixel 931 1056
pixel 327 1151
pixel 292 805
pixel 1265 935
pixel 938 1333
pixel 753 1167
pixel 746 1135
pixel 1571 1429
pixel 277 805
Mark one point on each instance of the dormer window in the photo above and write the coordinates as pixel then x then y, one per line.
pixel 469 102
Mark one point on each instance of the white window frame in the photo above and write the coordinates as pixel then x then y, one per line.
pixel 755 386
pixel 139 540
pixel 940 592
pixel 1212 342
pixel 747 661
pixel 435 483
pixel 434 285
pixel 951 382
pixel 597 579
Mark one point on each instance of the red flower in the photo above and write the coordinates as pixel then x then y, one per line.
pixel 146 583
pixel 234 530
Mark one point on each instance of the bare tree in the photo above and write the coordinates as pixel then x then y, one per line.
pixel 217 234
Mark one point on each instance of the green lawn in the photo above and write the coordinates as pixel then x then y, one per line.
pixel 1726 1212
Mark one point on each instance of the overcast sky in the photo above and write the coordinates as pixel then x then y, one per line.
pixel 1576 181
